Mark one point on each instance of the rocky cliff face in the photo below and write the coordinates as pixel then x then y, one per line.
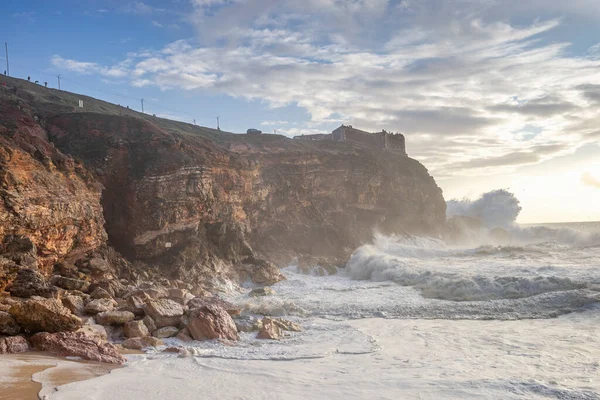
pixel 191 202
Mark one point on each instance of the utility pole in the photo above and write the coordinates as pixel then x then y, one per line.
pixel 142 105
pixel 7 66
pixel 218 127
pixel 58 81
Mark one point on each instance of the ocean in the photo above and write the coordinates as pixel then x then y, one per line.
pixel 407 318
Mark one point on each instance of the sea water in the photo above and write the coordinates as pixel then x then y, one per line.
pixel 408 317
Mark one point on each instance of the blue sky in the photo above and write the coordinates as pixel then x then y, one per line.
pixel 490 93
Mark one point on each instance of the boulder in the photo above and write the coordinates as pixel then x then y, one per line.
pixel 30 283
pixel 263 291
pixel 112 286
pixel 133 329
pixel 114 317
pixel 21 250
pixel 269 330
pixel 287 325
pixel 184 335
pixel 74 304
pixel 140 343
pixel 13 344
pixel 70 283
pixel 98 265
pixel 247 323
pixel 100 305
pixel 181 296
pixel 165 332
pixel 44 315
pixel 164 312
pixel 94 330
pixel 8 325
pixel 135 304
pixel 100 293
pixel 149 322
pixel 78 344
pixel 199 302
pixel 261 272
pixel 211 322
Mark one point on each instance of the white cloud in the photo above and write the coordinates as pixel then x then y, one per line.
pixel 457 78
pixel 274 123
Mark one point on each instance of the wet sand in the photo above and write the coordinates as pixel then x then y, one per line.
pixel 33 375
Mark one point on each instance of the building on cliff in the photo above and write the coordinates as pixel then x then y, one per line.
pixel 379 140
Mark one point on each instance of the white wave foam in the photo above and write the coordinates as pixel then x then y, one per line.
pixel 396 259
pixel 498 208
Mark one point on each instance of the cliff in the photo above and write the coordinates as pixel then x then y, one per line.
pixel 190 202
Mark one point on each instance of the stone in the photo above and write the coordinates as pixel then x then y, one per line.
pixel 21 250
pixel 100 293
pixel 112 286
pixel 247 323
pixel 164 312
pixel 270 330
pixel 184 335
pixel 94 330
pixel 140 343
pixel 13 344
pixel 30 283
pixel 77 344
pixel 287 325
pixel 135 304
pixel 181 296
pixel 98 265
pixel 199 302
pixel 263 291
pixel 100 305
pixel 8 325
pixel 69 283
pixel 74 304
pixel 261 272
pixel 44 315
pixel 149 322
pixel 135 329
pixel 165 332
pixel 114 317
pixel 211 322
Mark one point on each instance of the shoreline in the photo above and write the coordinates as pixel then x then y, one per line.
pixel 35 375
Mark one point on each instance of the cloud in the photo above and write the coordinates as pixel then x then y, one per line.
pixel 589 180
pixel 87 68
pixel 461 80
pixel 273 123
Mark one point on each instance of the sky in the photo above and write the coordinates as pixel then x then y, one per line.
pixel 490 94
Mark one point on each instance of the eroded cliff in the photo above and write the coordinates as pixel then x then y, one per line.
pixel 195 203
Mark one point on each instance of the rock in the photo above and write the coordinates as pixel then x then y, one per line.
pixel 135 304
pixel 133 329
pixel 74 304
pixel 181 296
pixel 287 325
pixel 199 302
pixel 114 317
pixel 263 291
pixel 112 286
pixel 100 305
pixel 164 312
pixel 165 332
pixel 98 265
pixel 184 335
pixel 21 250
pixel 77 344
pixel 94 330
pixel 247 323
pixel 13 344
pixel 260 272
pixel 100 293
pixel 69 283
pixel 140 343
pixel 8 325
pixel 31 283
pixel 44 315
pixel 149 322
pixel 269 330
pixel 211 322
